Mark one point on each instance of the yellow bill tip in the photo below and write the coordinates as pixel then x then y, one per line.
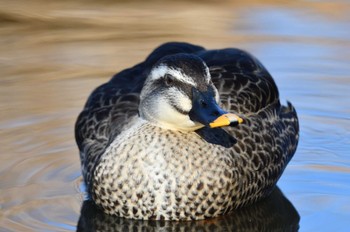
pixel 226 120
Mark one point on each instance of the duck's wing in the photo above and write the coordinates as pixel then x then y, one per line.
pixel 268 137
pixel 104 114
pixel 111 105
pixel 245 86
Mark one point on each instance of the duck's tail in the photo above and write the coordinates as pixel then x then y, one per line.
pixel 290 119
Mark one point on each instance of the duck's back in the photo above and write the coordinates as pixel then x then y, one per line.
pixel 267 140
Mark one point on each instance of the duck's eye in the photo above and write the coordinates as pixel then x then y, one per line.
pixel 169 79
pixel 203 104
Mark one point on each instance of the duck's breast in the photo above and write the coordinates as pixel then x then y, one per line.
pixel 149 172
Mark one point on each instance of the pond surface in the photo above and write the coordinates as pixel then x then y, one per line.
pixel 53 54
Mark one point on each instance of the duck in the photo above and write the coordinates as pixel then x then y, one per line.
pixel 187 134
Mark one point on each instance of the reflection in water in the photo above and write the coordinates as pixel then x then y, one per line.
pixel 54 53
pixel 275 213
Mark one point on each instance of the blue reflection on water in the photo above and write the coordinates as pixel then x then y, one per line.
pixel 291 23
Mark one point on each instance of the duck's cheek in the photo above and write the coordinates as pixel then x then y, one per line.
pixel 171 116
pixel 178 100
pixel 168 114
pixel 184 103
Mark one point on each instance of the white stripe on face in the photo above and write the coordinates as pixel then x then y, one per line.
pixel 161 70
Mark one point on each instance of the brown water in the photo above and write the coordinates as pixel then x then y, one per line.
pixel 54 53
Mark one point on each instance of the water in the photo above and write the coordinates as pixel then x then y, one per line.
pixel 52 55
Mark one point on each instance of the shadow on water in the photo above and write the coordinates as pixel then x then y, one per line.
pixel 275 213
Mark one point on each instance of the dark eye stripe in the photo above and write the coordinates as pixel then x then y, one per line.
pixel 181 111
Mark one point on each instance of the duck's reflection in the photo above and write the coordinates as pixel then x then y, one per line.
pixel 275 213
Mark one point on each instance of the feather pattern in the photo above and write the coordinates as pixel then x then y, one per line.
pixel 135 169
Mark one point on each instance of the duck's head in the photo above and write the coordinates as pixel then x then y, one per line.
pixel 179 94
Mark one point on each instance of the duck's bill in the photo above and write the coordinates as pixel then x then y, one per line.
pixel 206 111
pixel 227 119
